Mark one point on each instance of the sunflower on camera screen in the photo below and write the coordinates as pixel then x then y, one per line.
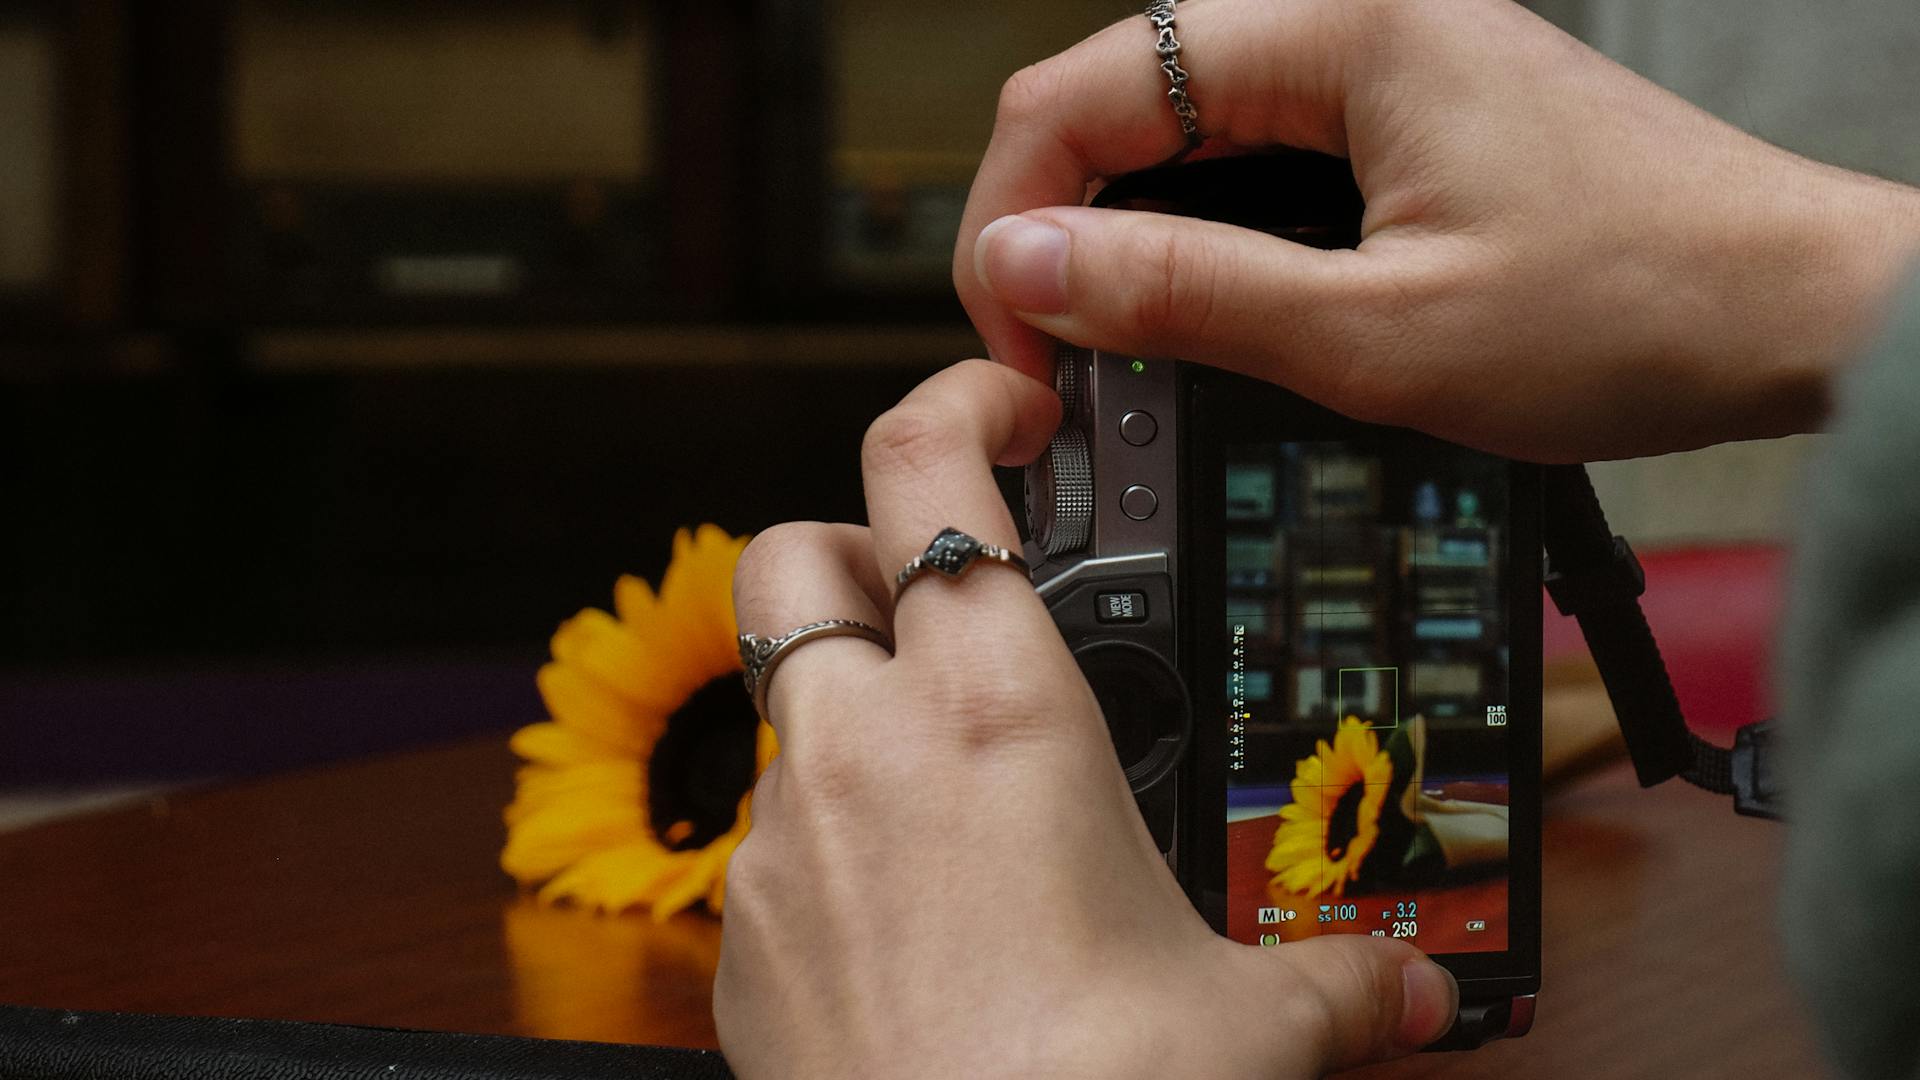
pixel 1333 822
pixel 1360 818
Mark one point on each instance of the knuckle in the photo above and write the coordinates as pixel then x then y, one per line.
pixel 774 544
pixel 1025 95
pixel 760 563
pixel 907 440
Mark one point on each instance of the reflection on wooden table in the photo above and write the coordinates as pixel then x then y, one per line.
pixel 369 893
pixel 577 976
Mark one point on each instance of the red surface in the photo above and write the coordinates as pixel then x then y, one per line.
pixel 1714 611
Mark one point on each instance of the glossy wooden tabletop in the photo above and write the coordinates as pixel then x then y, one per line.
pixel 368 893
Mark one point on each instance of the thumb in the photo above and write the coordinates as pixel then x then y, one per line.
pixel 1156 285
pixel 1361 1000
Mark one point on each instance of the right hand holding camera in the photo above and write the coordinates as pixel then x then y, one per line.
pixel 1561 261
pixel 946 874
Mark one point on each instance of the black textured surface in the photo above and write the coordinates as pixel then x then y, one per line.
pixel 50 1044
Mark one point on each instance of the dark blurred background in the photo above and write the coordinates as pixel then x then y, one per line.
pixel 348 347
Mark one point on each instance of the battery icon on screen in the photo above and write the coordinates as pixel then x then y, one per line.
pixel 1474 926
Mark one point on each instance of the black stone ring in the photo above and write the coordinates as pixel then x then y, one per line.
pixel 952 553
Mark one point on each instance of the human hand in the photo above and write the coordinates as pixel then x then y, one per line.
pixel 946 874
pixel 1560 261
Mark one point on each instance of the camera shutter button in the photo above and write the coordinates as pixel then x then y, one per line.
pixel 1139 502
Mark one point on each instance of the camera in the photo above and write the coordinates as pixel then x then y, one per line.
pixel 1316 642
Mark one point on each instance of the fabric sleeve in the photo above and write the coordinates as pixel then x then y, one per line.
pixel 1849 669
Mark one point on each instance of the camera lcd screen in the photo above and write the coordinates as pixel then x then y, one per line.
pixel 1366 689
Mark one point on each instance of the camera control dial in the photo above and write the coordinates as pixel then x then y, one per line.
pixel 1060 494
pixel 1068 378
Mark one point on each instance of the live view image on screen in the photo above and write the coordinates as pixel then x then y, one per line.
pixel 1367 783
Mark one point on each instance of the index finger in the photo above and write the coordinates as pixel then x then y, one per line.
pixel 1260 74
pixel 928 465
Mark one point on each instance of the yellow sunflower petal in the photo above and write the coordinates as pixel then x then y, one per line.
pixel 709 865
pixel 554 837
pixel 581 703
pixel 553 744
pixel 620 878
pixel 543 785
pixel 698 586
pixel 1300 878
pixel 646 667
pixel 633 599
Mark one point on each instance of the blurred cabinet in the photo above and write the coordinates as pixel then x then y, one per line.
pixel 911 91
pixel 62 185
pixel 349 162
pixel 229 165
pixel 424 160
pixel 29 172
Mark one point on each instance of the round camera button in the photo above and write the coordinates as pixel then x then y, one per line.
pixel 1138 428
pixel 1139 502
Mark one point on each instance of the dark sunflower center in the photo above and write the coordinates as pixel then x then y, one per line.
pixel 1344 822
pixel 702 765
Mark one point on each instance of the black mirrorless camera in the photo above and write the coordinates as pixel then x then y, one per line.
pixel 1316 642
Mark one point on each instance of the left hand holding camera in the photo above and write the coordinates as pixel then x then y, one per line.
pixel 946 873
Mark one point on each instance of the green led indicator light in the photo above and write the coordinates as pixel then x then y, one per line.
pixel 1138 366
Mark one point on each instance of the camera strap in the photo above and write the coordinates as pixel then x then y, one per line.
pixel 1594 576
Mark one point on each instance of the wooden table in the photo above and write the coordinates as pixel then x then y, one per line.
pixel 368 893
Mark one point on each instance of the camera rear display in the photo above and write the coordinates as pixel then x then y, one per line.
pixel 1366 691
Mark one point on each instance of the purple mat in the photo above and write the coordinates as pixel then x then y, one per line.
pixel 78 727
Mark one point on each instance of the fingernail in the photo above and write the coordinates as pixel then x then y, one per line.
pixel 1431 996
pixel 1024 264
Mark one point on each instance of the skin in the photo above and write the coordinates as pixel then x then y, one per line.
pixel 945 875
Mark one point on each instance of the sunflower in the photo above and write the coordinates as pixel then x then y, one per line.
pixel 636 792
pixel 1331 825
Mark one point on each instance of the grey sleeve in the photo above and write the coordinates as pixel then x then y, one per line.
pixel 1849 669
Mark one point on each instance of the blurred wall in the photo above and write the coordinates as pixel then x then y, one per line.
pixel 1834 81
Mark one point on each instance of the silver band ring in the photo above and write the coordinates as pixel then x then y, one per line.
pixel 953 553
pixel 1167 47
pixel 759 655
